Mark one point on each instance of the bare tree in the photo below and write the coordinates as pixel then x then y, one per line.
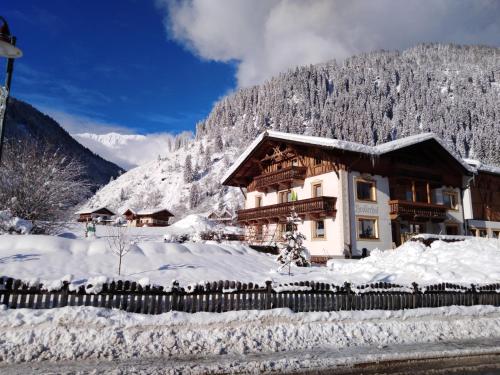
pixel 119 242
pixel 40 185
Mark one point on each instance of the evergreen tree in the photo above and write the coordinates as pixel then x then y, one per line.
pixel 293 251
pixel 188 170
pixel 194 196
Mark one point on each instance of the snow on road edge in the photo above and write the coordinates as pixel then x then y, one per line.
pixel 92 333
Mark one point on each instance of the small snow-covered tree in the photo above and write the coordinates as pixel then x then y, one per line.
pixel 119 242
pixel 293 250
pixel 40 185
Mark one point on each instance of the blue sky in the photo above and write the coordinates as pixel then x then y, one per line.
pixel 97 66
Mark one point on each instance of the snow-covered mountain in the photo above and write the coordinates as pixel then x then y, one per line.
pixel 131 150
pixel 453 91
pixel 185 180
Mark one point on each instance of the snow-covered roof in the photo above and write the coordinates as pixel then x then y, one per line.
pixel 414 139
pixel 88 210
pixel 340 145
pixel 480 167
pixel 151 211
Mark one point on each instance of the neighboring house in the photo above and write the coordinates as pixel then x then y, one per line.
pixel 101 215
pixel 482 201
pixel 222 217
pixel 154 217
pixel 351 197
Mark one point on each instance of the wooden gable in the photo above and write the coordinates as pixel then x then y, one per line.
pixel 485 196
pixel 273 155
pixel 426 160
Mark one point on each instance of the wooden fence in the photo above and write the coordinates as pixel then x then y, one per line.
pixel 231 296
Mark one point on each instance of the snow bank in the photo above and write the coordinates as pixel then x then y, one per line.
pixel 476 260
pixel 188 228
pixel 91 333
pixel 51 259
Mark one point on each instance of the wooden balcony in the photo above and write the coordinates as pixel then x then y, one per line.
pixel 320 206
pixel 282 177
pixel 417 211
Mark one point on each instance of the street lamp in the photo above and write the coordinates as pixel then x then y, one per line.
pixel 8 50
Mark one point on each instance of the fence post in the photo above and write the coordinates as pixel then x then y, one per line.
pixel 348 300
pixel 269 295
pixel 416 293
pixel 175 296
pixel 6 291
pixel 63 301
pixel 475 296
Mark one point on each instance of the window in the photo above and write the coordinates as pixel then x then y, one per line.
pixel 479 232
pixel 295 162
pixel 452 229
pixel 259 232
pixel 317 161
pixel 258 201
pixel 283 228
pixel 365 190
pixel 319 229
pixel 450 200
pixel 408 195
pixel 285 196
pixel 317 190
pixel 367 228
pixel 496 234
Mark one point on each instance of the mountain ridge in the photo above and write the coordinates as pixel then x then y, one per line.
pixel 25 122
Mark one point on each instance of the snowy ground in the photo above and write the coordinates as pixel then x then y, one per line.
pixel 251 341
pixel 50 258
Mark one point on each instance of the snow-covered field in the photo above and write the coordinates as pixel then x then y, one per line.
pixel 51 258
pixel 225 343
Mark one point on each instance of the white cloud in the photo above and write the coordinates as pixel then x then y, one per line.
pixel 128 150
pixel 116 143
pixel 83 124
pixel 266 37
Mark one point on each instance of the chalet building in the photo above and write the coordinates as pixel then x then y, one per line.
pixel 355 198
pixel 482 201
pixel 102 215
pixel 221 217
pixel 148 217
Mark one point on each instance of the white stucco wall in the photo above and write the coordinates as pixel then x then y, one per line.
pixel 333 244
pixel 453 216
pixel 379 209
pixel 467 204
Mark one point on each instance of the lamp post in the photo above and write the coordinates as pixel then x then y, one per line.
pixel 8 50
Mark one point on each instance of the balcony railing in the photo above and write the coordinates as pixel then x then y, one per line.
pixel 282 176
pixel 417 210
pixel 323 206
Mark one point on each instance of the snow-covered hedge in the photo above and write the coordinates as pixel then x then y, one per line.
pixel 14 225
